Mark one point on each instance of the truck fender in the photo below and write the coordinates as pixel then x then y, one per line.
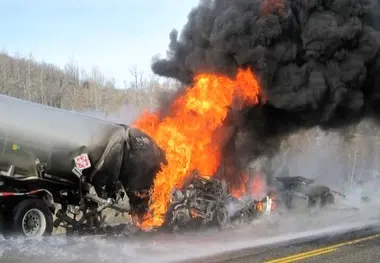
pixel 44 194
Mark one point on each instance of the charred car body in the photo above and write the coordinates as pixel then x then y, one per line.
pixel 51 156
pixel 288 187
pixel 207 201
pixel 204 201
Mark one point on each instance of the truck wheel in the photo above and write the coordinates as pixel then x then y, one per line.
pixel 328 199
pixel 32 218
pixel 312 203
pixel 221 217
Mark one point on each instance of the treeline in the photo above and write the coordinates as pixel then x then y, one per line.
pixel 337 157
pixel 77 89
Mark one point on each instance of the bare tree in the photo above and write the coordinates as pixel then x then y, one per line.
pixel 74 88
pixel 137 83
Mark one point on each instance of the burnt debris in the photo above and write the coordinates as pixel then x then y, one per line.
pixel 317 61
pixel 207 202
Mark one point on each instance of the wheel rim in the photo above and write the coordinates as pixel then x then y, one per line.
pixel 34 223
pixel 222 216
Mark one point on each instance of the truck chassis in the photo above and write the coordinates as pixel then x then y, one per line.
pixel 34 213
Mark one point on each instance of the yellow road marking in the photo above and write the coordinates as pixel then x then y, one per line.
pixel 301 255
pixel 320 251
pixel 309 256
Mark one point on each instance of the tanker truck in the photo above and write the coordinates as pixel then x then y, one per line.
pixel 62 168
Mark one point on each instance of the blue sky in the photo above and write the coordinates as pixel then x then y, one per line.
pixel 113 35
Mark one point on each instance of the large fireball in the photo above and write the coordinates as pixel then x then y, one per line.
pixel 189 134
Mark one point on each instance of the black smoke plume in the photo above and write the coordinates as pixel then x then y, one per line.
pixel 318 61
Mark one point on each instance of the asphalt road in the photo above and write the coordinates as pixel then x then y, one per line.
pixel 303 239
pixel 361 246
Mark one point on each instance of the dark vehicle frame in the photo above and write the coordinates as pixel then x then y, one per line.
pixel 204 202
pixel 288 187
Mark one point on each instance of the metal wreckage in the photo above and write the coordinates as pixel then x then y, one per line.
pixel 65 169
pixel 207 201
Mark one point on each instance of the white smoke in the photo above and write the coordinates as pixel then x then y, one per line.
pixel 329 158
pixel 124 115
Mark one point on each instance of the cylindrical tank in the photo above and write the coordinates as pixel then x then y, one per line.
pixel 30 130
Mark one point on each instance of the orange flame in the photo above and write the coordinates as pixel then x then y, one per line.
pixel 189 134
pixel 254 186
pixel 259 206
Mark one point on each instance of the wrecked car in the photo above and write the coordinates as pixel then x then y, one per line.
pixel 207 201
pixel 288 187
pixel 201 201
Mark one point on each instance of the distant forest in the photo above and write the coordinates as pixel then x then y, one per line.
pixel 76 89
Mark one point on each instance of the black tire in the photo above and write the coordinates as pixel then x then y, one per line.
pixel 221 217
pixel 35 208
pixel 328 199
pixel 289 202
pixel 312 203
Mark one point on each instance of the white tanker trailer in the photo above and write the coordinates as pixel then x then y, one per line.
pixel 50 156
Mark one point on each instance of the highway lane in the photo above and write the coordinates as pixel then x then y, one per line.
pixel 164 248
pixel 359 246
pixel 364 249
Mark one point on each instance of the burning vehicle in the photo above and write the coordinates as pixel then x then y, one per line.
pixel 201 201
pixel 54 158
pixel 207 201
pixel 210 202
pixel 193 133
